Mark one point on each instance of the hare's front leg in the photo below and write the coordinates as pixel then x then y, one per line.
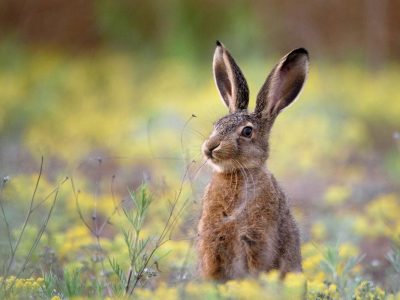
pixel 290 260
pixel 260 249
pixel 210 261
pixel 219 254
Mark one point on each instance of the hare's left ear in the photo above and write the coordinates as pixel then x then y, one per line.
pixel 283 84
pixel 230 81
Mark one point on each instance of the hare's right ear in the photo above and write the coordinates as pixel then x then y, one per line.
pixel 283 84
pixel 230 81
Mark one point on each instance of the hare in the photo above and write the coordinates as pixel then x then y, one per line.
pixel 246 226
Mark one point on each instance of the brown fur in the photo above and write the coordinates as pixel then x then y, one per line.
pixel 246 225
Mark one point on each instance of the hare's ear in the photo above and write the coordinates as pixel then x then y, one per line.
pixel 230 81
pixel 283 84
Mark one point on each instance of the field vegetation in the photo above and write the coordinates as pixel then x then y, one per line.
pixel 101 173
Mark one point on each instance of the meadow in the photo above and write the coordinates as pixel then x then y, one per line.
pixel 102 177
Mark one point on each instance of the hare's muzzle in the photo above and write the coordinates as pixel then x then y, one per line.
pixel 208 149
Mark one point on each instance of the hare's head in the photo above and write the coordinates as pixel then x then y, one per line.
pixel 240 139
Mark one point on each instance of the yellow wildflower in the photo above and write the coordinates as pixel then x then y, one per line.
pixel 384 207
pixel 319 276
pixel 75 238
pixel 347 250
pixel 294 286
pixel 166 293
pixel 315 285
pixel 40 280
pixel 242 289
pixel 333 292
pixel 19 284
pixel 143 294
pixel 366 290
pixel 361 225
pixel 270 277
pixel 35 285
pixel 332 288
pixel 200 291
pixel 318 231
pixel 312 262
pixel 336 195
pixel 295 280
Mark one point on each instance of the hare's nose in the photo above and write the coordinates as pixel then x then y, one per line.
pixel 209 149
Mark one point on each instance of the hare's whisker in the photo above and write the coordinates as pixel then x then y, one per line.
pixel 252 179
pixel 230 180
pixel 198 133
pixel 236 180
pixel 196 173
pixel 244 177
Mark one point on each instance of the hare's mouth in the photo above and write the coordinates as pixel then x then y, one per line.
pixel 215 157
pixel 221 165
pixel 218 154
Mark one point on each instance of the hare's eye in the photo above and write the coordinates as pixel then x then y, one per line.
pixel 246 131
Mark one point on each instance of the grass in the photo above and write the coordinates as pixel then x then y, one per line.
pixel 80 222
pixel 330 272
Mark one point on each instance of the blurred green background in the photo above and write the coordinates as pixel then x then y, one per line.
pixel 107 89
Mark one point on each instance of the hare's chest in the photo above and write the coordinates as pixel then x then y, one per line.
pixel 235 204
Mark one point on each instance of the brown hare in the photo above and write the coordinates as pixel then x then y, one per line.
pixel 246 225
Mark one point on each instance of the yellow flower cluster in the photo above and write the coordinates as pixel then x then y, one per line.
pixel 105 204
pixel 23 286
pixel 319 290
pixel 381 218
pixel 266 286
pixel 336 195
pixel 75 238
pixel 366 291
pixel 241 289
pixel 393 296
pixel 318 231
pixel 347 250
pixel 312 258
pixel 177 252
pixel 162 292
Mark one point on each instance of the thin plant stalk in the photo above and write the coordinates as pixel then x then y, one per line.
pixel 37 240
pixel 96 230
pixel 15 248
pixel 39 234
pixel 162 239
pixel 5 217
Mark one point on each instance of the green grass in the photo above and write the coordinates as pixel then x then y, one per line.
pixel 82 224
